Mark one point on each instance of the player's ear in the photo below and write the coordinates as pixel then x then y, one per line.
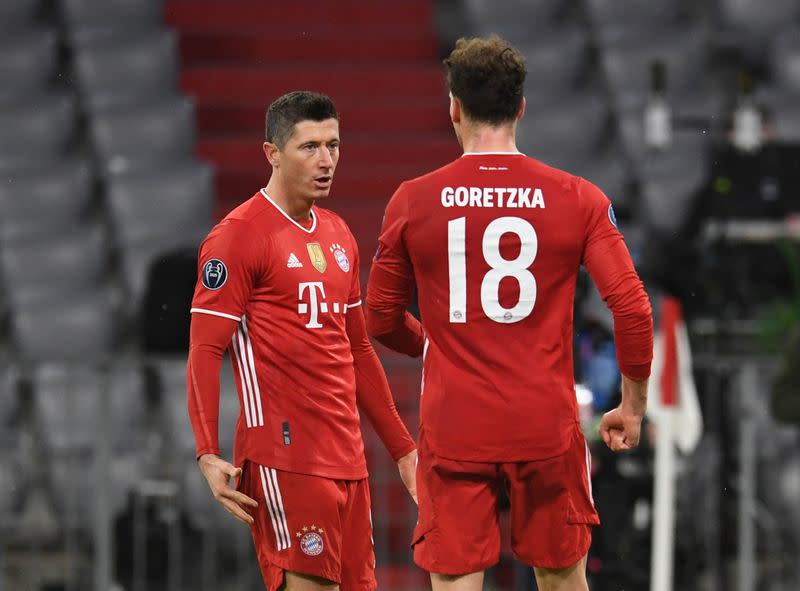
pixel 455 109
pixel 521 113
pixel 272 152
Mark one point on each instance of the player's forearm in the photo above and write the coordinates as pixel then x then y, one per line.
pixel 407 337
pixel 372 390
pixel 207 343
pixel 634 396
pixel 633 330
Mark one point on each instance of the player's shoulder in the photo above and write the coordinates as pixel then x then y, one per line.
pixel 331 220
pixel 565 180
pixel 243 221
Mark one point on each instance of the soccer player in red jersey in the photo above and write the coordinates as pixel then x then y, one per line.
pixel 279 287
pixel 493 243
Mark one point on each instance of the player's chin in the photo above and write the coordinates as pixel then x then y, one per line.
pixel 321 189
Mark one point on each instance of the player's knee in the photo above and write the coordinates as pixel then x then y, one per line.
pixel 570 578
pixel 293 581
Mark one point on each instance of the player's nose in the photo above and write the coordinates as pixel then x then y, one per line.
pixel 325 158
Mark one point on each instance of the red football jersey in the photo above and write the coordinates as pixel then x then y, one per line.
pixel 494 243
pixel 290 288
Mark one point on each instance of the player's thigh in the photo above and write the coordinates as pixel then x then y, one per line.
pixel 297 523
pixel 358 552
pixel 457 532
pixel 552 512
pixel 299 582
pixel 470 582
pixel 571 578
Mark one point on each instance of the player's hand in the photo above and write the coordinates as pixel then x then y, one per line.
pixel 620 429
pixel 407 465
pixel 218 474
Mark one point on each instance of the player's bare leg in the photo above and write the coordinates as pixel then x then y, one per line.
pixel 470 582
pixel 571 578
pixel 300 582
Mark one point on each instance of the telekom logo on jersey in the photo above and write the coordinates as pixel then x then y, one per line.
pixel 312 302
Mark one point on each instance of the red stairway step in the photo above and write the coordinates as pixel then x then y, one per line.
pixel 258 48
pixel 429 116
pixel 241 82
pixel 245 153
pixel 299 14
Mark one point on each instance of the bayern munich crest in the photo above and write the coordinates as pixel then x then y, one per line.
pixel 341 257
pixel 311 540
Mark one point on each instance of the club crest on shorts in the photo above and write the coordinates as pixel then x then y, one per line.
pixel 215 274
pixel 340 255
pixel 317 256
pixel 311 540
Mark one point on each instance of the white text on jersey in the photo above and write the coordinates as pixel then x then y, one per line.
pixel 316 305
pixel 510 197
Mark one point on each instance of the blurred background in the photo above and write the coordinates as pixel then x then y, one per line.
pixel 128 127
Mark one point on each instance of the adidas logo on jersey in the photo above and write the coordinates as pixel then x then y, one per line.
pixel 293 262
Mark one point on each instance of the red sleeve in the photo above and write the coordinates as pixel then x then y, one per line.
pixel 372 390
pixel 228 265
pixel 209 337
pixel 391 285
pixel 610 265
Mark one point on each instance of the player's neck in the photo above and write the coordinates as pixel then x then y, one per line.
pixel 295 206
pixel 486 138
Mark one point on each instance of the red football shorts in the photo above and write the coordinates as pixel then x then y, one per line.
pixel 552 510
pixel 311 525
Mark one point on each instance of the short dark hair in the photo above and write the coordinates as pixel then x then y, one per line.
pixel 487 75
pixel 301 105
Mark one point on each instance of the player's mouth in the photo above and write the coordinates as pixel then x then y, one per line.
pixel 323 182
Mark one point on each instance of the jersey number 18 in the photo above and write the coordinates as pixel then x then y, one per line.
pixel 500 268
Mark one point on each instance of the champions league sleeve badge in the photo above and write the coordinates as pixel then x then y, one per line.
pixel 215 274
pixel 612 217
pixel 341 257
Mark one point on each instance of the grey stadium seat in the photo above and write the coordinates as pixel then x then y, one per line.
pixel 785 110
pixel 563 133
pixel 757 19
pixel 627 64
pixel 136 69
pixel 68 262
pixel 36 133
pixel 17 14
pixel 81 328
pixel 786 60
pixel 143 138
pixel 56 196
pixel 27 63
pixel 516 20
pixel 91 16
pixel 555 60
pixel 632 13
pixel 172 202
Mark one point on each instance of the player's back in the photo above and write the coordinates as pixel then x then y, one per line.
pixel 496 241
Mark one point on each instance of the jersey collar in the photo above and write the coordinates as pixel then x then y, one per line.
pixel 491 154
pixel 288 217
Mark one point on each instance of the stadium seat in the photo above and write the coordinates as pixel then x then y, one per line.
pixel 27 63
pixel 116 73
pixel 92 16
pixel 36 133
pixel 786 60
pixel 17 14
pixel 555 61
pixel 785 112
pixel 56 196
pixel 148 137
pixel 79 328
pixel 171 202
pixel 45 269
pixel 8 393
pixel 518 19
pixel 627 64
pixel 632 13
pixel 67 402
pixel 757 20
pixel 564 132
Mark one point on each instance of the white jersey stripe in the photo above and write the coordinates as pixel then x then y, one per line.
pixel 259 417
pixel 238 357
pixel 281 512
pixel 213 313
pixel 280 519
pixel 278 538
pixel 243 353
